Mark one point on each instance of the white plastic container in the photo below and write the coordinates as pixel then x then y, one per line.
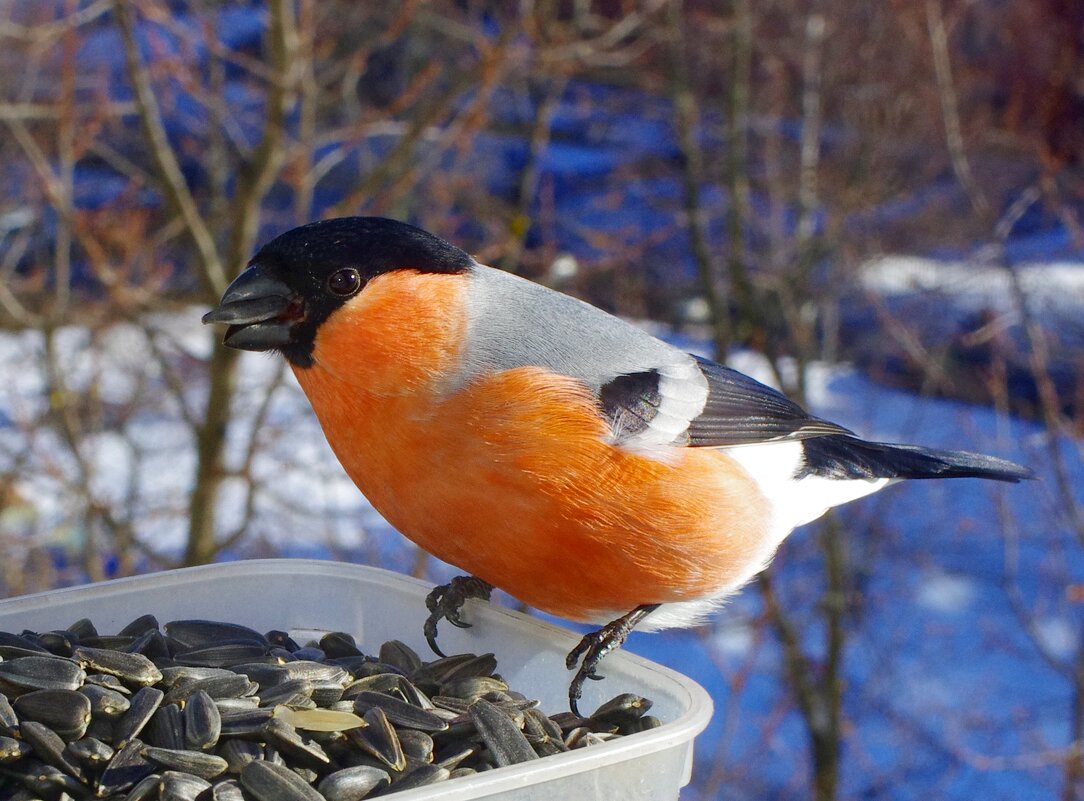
pixel 310 597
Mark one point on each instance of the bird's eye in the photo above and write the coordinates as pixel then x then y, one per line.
pixel 344 282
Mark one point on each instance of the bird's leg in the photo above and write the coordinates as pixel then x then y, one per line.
pixel 446 600
pixel 594 646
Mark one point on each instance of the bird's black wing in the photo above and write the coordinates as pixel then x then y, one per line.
pixel 741 410
pixel 738 410
pixel 651 407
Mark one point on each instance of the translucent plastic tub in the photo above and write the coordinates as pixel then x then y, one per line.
pixel 310 597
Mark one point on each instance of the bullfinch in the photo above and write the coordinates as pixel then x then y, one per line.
pixel 542 445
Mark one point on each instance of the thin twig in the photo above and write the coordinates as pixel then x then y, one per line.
pixel 212 272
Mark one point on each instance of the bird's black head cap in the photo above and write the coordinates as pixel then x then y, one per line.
pixel 372 245
pixel 311 271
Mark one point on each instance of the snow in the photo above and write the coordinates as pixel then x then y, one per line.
pixel 949 594
pixel 734 639
pixel 1058 636
pixel 1055 286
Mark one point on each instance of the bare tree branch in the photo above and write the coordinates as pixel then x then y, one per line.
pixel 260 171
pixel 212 272
pixel 43 33
pixel 950 114
pixel 692 174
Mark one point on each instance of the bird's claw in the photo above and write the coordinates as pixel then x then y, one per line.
pixel 588 653
pixel 445 602
pixel 594 646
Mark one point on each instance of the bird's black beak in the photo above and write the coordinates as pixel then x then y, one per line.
pixel 260 310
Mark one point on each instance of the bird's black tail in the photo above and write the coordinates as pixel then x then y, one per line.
pixel 846 457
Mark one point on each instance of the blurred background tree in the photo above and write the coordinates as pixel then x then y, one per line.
pixel 734 171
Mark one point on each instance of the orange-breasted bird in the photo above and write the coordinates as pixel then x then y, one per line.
pixel 542 445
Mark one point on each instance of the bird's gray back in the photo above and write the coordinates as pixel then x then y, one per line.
pixel 514 322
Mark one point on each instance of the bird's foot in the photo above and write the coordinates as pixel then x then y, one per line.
pixel 446 601
pixel 595 645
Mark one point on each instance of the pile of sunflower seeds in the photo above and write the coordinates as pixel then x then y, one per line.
pixel 214 711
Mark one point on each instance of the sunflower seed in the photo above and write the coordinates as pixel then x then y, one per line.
pixel 12 750
pixel 245 723
pixel 268 782
pixel 573 736
pixel 222 655
pixel 132 668
pixel 179 786
pixel 387 683
pixel 202 722
pixel 64 711
pixel 107 681
pixel 229 685
pixel 29 673
pixel 646 723
pixel 9 723
pixel 14 646
pixel 108 643
pixel 239 753
pixel 125 770
pixel 282 639
pixel 417 745
pixel 165 729
pixel 502 737
pixel 480 666
pixel 83 629
pixel 48 782
pixel 316 672
pixel 194 634
pixel 289 741
pixel 401 655
pixel 48 746
pixel 472 687
pixel 339 643
pixel 439 670
pixel 59 643
pixel 621 710
pixel 227 705
pixel 183 675
pixel 101 728
pixel 197 763
pixel 143 705
pixel 399 712
pixel 140 625
pixel 151 644
pixel 228 790
pixel 540 725
pixel 454 753
pixel 422 776
pixel 89 751
pixel 360 667
pixel 289 693
pixel 105 702
pixel 379 739
pixel 567 721
pixel 353 784
pixel 145 790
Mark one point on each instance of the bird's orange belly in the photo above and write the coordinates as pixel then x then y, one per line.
pixel 511 479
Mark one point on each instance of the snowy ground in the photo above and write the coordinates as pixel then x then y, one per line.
pixel 946 691
pixel 1049 286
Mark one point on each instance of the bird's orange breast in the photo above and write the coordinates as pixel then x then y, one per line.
pixel 510 476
